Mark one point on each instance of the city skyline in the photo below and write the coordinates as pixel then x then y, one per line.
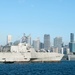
pixel 37 17
pixel 28 39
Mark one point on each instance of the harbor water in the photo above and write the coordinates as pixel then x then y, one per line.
pixel 59 68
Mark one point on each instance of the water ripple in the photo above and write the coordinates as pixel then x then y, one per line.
pixel 62 68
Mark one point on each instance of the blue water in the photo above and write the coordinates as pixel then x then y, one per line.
pixel 62 68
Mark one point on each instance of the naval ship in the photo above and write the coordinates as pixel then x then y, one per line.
pixel 25 53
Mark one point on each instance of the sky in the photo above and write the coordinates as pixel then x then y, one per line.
pixel 37 17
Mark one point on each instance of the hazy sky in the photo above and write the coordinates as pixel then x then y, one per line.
pixel 37 17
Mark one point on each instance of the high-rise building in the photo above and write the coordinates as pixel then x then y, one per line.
pixel 9 39
pixel 72 47
pixel 36 44
pixel 58 42
pixel 41 45
pixel 46 41
pixel 72 43
pixel 72 37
